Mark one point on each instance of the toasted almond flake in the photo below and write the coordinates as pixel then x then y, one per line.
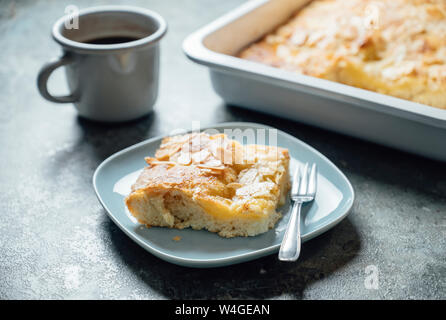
pixel 214 146
pixel 394 73
pixel 184 158
pixel 213 163
pixel 299 37
pixel 200 156
pixel 273 39
pixel 218 152
pixel 234 185
pixel 268 170
pixel 198 141
pixel 248 176
pixel 218 136
pixel 158 162
pixel 166 152
pixel 260 189
pixel 153 161
pixel 227 156
pixel 204 170
pixel 210 167
pixel 175 140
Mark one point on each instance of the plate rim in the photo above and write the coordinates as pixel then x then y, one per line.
pixel 216 262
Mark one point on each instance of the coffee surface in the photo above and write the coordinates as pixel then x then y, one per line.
pixel 111 40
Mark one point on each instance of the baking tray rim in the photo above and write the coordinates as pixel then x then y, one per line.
pixel 194 48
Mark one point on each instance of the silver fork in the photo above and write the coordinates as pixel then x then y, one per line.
pixel 303 189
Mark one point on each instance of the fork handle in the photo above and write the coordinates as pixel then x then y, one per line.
pixel 290 247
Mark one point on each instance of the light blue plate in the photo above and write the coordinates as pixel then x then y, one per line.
pixel 203 249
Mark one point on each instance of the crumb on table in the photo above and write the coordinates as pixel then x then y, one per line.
pixel 176 238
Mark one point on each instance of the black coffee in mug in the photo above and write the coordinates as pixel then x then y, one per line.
pixel 111 40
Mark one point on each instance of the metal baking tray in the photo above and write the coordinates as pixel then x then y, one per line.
pixel 380 118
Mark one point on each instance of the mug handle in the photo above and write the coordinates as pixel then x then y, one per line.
pixel 44 74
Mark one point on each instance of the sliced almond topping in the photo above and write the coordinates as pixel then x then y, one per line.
pixel 218 136
pixel 299 37
pixel 260 189
pixel 166 152
pixel 184 158
pixel 210 167
pixel 213 163
pixel 227 156
pixel 198 142
pixel 200 156
pixel 170 141
pixel 234 185
pixel 153 161
pixel 248 176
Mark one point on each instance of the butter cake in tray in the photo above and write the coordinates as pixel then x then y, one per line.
pixel 211 182
pixel 394 47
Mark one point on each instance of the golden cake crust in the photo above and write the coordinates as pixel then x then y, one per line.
pixel 393 47
pixel 235 187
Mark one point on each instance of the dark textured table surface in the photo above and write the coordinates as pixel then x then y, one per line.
pixel 56 240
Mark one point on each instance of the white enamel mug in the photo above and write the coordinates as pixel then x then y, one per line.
pixel 109 82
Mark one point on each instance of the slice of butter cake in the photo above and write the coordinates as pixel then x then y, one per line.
pixel 211 182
